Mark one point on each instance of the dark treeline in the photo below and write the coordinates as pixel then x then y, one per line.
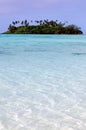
pixel 42 27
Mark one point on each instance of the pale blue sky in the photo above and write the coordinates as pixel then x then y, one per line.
pixel 73 11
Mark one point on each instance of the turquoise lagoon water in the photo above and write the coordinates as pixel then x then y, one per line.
pixel 42 82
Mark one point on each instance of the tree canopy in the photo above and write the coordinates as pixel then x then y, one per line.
pixel 42 27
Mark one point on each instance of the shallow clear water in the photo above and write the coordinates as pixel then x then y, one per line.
pixel 42 82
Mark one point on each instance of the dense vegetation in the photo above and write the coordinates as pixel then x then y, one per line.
pixel 42 27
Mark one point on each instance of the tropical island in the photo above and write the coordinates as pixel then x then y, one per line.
pixel 42 27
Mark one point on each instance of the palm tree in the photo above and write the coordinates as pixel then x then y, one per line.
pixel 13 23
pixel 22 22
pixel 26 23
pixel 36 21
pixel 41 22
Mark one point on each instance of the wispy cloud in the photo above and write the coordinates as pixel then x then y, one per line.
pixel 10 6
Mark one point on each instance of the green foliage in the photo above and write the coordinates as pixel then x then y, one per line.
pixel 43 27
pixel 12 28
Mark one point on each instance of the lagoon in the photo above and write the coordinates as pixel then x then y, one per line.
pixel 42 82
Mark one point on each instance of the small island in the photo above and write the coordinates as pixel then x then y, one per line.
pixel 42 27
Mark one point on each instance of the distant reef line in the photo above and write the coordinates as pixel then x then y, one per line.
pixel 42 27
